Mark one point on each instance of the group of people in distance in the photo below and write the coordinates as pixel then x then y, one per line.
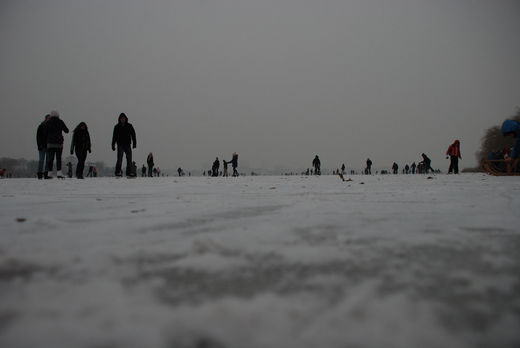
pixel 216 166
pixel 49 139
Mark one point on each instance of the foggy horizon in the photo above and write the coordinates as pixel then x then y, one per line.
pixel 275 81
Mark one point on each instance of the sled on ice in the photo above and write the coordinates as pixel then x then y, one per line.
pixel 497 168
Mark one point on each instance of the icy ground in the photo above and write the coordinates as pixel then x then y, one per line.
pixel 398 261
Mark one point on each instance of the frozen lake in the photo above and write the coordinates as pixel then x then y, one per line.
pixel 382 261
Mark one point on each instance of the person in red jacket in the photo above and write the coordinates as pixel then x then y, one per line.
pixel 454 154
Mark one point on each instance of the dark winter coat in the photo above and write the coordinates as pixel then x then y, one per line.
pixel 216 165
pixel 149 160
pixel 80 140
pixel 316 162
pixel 41 136
pixel 123 135
pixel 234 161
pixel 54 128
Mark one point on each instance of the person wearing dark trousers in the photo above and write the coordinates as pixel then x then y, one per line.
pixel 234 163
pixel 368 169
pixel 41 142
pixel 454 154
pixel 316 163
pixel 215 167
pixel 54 128
pixel 124 137
pixel 395 168
pixel 80 143
pixel 149 161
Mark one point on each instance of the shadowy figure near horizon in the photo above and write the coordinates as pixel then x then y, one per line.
pixel 316 163
pixel 368 169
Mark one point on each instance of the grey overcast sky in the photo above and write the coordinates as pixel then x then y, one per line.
pixel 277 81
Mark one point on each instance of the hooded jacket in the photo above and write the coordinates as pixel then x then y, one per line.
pixel 123 135
pixel 41 136
pixel 54 128
pixel 454 149
pixel 80 139
pixel 510 126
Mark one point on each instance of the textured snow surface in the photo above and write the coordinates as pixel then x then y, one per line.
pixel 398 261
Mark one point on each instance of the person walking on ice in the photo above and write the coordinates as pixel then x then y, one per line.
pixel 149 161
pixel 368 169
pixel 54 130
pixel 41 143
pixel 316 163
pixel 80 143
pixel 234 163
pixel 124 137
pixel 454 154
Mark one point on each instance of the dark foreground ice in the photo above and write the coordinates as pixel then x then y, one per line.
pixel 393 261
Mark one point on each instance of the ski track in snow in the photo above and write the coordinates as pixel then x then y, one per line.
pixel 398 261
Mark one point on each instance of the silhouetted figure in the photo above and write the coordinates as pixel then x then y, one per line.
pixel 143 171
pixel 343 168
pixel 41 143
pixel 316 163
pixel 54 128
pixel 123 136
pixel 454 154
pixel 368 169
pixel 81 144
pixel 407 169
pixel 426 162
pixel 395 168
pixel 413 167
pixel 179 171
pixel 149 162
pixel 234 163
pixel 215 167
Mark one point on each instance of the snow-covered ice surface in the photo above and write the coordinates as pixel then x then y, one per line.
pixel 398 261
